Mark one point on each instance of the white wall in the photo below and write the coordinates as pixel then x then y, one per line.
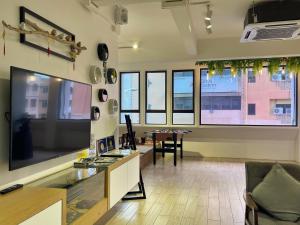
pixel 90 29
pixel 228 142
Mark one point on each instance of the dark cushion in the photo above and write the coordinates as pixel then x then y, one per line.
pixel 256 171
pixel 279 194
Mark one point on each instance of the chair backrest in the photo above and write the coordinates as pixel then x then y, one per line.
pixel 256 171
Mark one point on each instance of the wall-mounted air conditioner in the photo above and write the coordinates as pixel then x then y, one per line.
pixel 278 111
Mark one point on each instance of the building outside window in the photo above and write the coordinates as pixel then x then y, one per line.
pixel 183 97
pixel 229 100
pixel 156 103
pixel 130 96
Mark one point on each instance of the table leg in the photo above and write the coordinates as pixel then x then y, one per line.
pixel 181 148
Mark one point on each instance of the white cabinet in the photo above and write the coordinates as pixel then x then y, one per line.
pixel 49 216
pixel 123 179
pixel 118 184
pixel 133 174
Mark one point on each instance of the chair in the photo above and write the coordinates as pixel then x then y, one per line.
pixel 165 148
pixel 255 173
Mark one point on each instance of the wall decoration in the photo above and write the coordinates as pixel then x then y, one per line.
pixel 111 76
pixel 95 74
pixel 95 113
pixel 103 52
pixel 290 64
pixel 113 106
pixel 30 27
pixel 102 95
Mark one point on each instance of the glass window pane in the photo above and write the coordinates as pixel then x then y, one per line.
pixel 129 91
pixel 183 82
pixel 183 118
pixel 135 117
pixel 248 99
pixel 156 91
pixel 156 118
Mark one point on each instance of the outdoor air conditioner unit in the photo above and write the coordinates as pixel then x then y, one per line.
pixel 278 111
pixel 272 20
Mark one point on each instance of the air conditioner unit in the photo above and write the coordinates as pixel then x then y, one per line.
pixel 272 20
pixel 166 4
pixel 121 15
pixel 278 111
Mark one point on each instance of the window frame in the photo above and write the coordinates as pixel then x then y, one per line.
pixel 166 97
pixel 120 96
pixel 245 125
pixel 172 96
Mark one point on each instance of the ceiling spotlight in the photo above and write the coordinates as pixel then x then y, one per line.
pixel 208 13
pixel 135 46
pixel 207 19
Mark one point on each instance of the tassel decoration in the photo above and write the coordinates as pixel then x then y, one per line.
pixel 3 36
pixel 73 66
pixel 49 51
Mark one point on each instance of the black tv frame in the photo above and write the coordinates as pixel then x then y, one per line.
pixel 11 122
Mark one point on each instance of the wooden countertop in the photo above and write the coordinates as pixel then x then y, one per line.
pixel 19 205
pixel 123 160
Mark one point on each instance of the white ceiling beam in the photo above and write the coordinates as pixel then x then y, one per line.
pixel 184 24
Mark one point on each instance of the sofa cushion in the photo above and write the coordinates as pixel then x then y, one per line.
pixel 264 219
pixel 279 194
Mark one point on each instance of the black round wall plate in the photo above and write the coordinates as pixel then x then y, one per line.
pixel 95 113
pixel 112 76
pixel 103 52
pixel 102 95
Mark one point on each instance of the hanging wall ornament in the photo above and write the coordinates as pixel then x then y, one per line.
pixel 3 36
pixel 102 95
pixel 111 76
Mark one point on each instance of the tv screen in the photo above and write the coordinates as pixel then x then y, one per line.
pixel 50 117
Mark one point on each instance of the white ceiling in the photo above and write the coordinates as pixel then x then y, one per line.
pixel 158 36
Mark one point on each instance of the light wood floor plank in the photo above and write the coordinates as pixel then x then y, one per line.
pixel 196 192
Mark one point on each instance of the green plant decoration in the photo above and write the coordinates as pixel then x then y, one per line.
pixel 240 65
pixel 220 66
pixel 274 65
pixel 257 66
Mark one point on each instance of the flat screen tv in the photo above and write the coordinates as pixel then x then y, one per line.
pixel 50 117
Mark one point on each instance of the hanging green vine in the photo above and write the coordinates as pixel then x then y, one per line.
pixel 292 65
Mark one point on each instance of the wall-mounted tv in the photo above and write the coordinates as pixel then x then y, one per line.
pixel 50 117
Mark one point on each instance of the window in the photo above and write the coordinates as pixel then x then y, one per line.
pixel 45 89
pixel 44 103
pixel 251 109
pixel 32 103
pixel 130 96
pixel 183 97
pixel 156 86
pixel 35 87
pixel 251 77
pixel 230 100
pixel 221 102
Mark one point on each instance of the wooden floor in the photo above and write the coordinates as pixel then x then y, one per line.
pixel 196 192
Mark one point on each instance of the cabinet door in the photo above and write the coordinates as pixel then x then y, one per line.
pixel 50 216
pixel 133 172
pixel 118 184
